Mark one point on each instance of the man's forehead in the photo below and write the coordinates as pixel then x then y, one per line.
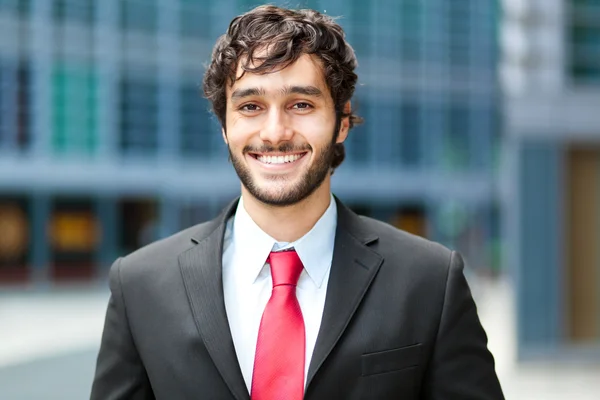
pixel 305 71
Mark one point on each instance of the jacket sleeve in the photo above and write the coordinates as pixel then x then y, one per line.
pixel 120 373
pixel 461 366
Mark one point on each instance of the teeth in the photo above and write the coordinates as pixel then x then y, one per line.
pixel 279 159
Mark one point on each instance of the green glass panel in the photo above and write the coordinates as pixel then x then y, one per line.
pixel 58 117
pixel 74 110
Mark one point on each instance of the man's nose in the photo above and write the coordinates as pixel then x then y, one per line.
pixel 276 128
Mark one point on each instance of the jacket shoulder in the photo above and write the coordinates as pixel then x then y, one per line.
pixel 406 248
pixel 163 253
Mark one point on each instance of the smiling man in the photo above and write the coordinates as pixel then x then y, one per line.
pixel 288 294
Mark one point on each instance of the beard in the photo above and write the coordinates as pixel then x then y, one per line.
pixel 290 192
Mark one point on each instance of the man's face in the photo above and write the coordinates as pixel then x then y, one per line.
pixel 280 132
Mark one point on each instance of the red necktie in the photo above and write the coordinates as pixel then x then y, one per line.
pixel 280 349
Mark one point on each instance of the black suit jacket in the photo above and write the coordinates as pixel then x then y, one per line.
pixel 399 322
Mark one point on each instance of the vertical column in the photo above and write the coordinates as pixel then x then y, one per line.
pixel 40 242
pixel 507 183
pixel 431 211
pixel 169 211
pixel 169 103
pixel 106 211
pixel 107 59
pixel 41 53
pixel 484 92
pixel 583 194
pixel 436 63
pixel 539 275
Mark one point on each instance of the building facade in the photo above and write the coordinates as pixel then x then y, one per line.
pixel 106 143
pixel 551 183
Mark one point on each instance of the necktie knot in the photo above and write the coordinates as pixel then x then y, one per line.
pixel 286 267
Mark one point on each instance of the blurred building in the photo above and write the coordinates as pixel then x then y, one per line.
pixel 106 143
pixel 551 74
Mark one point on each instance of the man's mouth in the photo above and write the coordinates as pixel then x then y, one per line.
pixel 278 159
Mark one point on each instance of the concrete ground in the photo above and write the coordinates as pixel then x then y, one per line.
pixel 49 340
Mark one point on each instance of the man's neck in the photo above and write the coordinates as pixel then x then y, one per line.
pixel 290 223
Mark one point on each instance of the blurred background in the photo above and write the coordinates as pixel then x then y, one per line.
pixel 482 132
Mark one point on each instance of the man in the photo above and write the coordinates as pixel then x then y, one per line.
pixel 288 294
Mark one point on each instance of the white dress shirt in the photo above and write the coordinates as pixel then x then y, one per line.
pixel 247 280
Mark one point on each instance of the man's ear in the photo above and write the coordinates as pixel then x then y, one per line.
pixel 224 135
pixel 344 124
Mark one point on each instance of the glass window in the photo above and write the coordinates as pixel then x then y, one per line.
pixel 383 131
pixel 195 19
pixel 21 7
pixel 456 144
pixel 75 234
pixel 74 107
pixel 358 24
pixel 139 15
pixel 138 224
pixel 585 41
pixel 22 102
pixel 247 5
pixel 410 134
pixel 358 145
pixel 70 14
pixel 459 32
pixel 586 2
pixel 139 114
pixel 196 128
pixel 74 10
pixel 14 105
pixel 411 26
pixel 7 113
pixel 483 36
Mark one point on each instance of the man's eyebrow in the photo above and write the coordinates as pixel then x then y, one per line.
pixel 241 93
pixel 305 90
pixel 309 90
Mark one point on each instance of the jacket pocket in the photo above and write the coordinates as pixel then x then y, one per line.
pixel 390 360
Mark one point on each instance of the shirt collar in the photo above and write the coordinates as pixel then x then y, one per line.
pixel 315 248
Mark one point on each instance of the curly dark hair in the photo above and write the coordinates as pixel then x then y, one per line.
pixel 287 35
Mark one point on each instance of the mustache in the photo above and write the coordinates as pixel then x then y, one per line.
pixel 282 148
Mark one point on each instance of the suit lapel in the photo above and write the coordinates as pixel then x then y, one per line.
pixel 353 268
pixel 201 268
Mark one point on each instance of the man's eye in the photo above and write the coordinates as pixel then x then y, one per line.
pixel 302 106
pixel 249 107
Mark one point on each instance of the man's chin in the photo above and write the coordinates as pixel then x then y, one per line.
pixel 278 198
